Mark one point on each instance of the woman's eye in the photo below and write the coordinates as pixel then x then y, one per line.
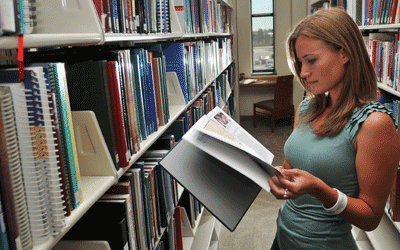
pixel 311 61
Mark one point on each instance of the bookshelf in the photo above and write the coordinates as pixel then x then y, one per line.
pixel 59 25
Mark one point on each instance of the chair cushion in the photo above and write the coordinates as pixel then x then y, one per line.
pixel 266 103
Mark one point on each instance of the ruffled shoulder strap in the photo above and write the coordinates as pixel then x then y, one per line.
pixel 360 115
pixel 304 106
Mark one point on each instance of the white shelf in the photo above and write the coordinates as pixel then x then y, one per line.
pixel 93 188
pixel 361 239
pixel 187 242
pixel 217 229
pixel 395 223
pixel 213 245
pixel 364 245
pixel 386 236
pixel 204 233
pixel 388 89
pixel 158 37
pixel 52 40
pixel 202 236
pixel 380 27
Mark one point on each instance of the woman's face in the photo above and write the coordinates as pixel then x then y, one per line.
pixel 323 68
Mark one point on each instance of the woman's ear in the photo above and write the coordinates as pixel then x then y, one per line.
pixel 343 56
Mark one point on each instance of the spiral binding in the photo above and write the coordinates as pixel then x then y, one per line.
pixel 45 150
pixel 32 170
pixel 6 104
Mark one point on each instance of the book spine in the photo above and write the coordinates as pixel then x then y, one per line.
pixel 64 109
pixel 116 103
pixel 178 228
pixel 137 171
pixel 61 155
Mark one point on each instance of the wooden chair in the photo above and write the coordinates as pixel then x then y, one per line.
pixel 280 106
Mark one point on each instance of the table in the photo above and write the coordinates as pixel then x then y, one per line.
pixel 253 92
pixel 261 81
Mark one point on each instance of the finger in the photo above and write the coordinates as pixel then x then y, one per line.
pixel 288 177
pixel 278 173
pixel 277 191
pixel 276 181
pixel 272 183
pixel 283 179
pixel 285 194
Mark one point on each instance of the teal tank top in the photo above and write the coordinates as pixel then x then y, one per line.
pixel 303 223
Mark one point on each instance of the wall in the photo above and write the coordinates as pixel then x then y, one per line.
pixel 288 14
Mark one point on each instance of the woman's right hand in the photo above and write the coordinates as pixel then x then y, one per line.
pixel 276 189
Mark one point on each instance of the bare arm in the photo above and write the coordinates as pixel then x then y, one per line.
pixel 377 160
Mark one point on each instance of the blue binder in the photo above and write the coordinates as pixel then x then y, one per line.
pixel 175 62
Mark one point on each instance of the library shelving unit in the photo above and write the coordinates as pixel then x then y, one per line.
pixel 76 24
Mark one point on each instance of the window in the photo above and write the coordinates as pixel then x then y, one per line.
pixel 262 38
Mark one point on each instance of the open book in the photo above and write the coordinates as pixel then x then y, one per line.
pixel 222 165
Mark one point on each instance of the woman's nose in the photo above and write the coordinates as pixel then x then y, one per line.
pixel 304 72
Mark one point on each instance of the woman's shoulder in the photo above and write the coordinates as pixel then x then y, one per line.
pixel 304 105
pixel 362 113
pixel 373 112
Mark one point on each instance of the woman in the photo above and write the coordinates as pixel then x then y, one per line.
pixel 342 157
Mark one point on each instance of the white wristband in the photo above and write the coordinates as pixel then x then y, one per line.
pixel 340 205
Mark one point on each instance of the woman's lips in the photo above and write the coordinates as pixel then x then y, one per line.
pixel 312 82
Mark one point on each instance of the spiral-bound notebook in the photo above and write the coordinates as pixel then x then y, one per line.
pixel 37 151
pixel 45 146
pixel 58 82
pixel 13 195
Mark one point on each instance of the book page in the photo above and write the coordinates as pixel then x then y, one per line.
pixel 220 126
pixel 229 155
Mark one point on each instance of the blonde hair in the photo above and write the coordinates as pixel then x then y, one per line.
pixel 337 30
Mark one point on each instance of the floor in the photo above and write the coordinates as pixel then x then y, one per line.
pixel 257 229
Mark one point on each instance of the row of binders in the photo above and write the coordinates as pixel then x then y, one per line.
pixel 203 16
pixel 381 12
pixel 154 16
pixel 368 12
pixel 134 16
pixel 384 52
pixel 17 17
